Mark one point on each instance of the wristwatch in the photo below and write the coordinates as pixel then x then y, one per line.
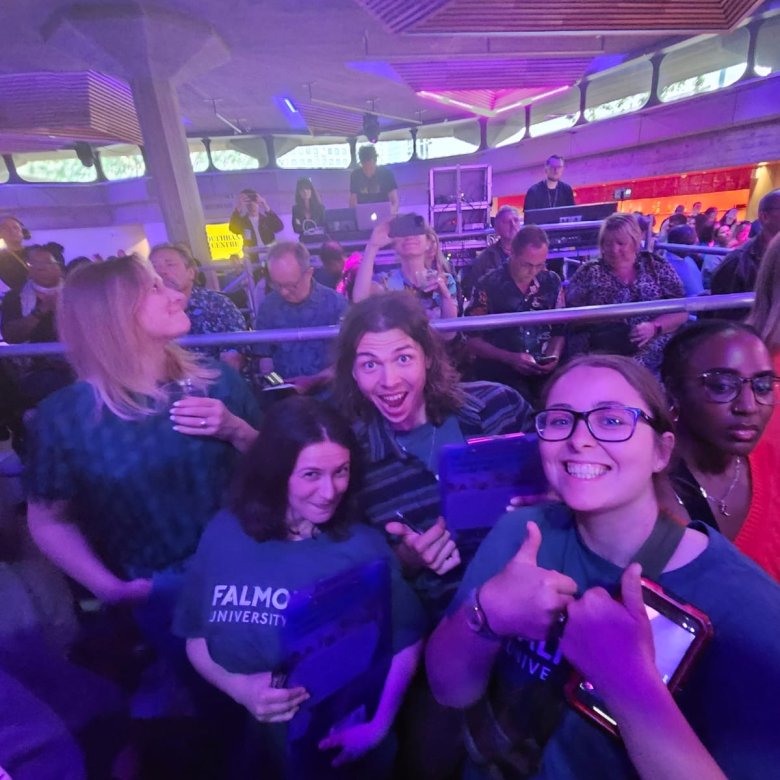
pixel 476 619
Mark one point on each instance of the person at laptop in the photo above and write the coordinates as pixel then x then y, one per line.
pixel 433 286
pixel 308 213
pixel 291 521
pixel 550 192
pixel 372 183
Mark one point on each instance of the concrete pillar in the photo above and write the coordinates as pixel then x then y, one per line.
pixel 153 48
pixel 173 181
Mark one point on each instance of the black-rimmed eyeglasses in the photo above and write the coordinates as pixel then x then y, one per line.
pixel 722 387
pixel 605 423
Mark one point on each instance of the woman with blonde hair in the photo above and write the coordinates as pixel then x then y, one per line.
pixel 624 274
pixel 127 465
pixel 417 273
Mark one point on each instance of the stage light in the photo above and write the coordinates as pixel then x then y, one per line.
pixel 371 127
pixel 84 153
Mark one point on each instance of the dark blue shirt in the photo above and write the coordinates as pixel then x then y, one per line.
pixel 323 306
pixel 140 492
pixel 730 699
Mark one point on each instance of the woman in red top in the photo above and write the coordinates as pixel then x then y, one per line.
pixel 765 318
pixel 723 387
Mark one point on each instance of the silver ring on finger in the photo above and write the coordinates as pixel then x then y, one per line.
pixel 202 422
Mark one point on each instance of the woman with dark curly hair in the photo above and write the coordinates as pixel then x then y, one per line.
pixel 394 378
pixel 290 523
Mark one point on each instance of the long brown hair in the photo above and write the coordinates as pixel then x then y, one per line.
pixel 97 321
pixel 765 314
pixel 390 311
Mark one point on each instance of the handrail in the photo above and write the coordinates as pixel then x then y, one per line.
pixel 699 249
pixel 464 324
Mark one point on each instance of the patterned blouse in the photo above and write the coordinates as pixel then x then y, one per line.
pixel 213 312
pixel 595 284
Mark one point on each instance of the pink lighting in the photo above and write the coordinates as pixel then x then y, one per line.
pixel 494 109
pixel 531 100
pixel 448 101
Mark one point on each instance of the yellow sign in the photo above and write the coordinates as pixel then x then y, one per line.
pixel 223 243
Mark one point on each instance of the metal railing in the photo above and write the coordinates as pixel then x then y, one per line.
pixel 697 249
pixel 581 314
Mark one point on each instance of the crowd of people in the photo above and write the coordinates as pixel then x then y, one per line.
pixel 189 518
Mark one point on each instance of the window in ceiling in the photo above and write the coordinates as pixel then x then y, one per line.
pixel 54 166
pixel 767 49
pixel 705 66
pixel 241 153
pixel 448 139
pixel 504 131
pixel 4 176
pixel 620 91
pixel 305 152
pixel 555 113
pixel 393 147
pixel 199 158
pixel 122 161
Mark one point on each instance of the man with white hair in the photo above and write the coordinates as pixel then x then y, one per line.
pixel 297 301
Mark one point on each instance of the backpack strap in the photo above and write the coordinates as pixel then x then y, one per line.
pixel 659 547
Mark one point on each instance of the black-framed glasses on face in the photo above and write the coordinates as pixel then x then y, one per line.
pixel 722 387
pixel 605 423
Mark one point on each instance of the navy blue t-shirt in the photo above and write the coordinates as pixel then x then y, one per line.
pixel 731 699
pixel 243 631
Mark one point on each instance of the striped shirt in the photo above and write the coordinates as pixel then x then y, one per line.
pixel 398 486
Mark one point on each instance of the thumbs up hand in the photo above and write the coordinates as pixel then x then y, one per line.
pixel 611 642
pixel 523 599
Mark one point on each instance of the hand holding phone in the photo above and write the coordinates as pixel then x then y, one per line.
pixel 546 360
pixel 620 647
pixel 432 549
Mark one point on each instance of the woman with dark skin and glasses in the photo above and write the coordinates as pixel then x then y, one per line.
pixel 533 603
pixel 722 388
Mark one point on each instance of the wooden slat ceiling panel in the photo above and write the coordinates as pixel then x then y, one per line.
pixel 400 15
pixel 510 16
pixel 77 106
pixel 323 120
pixel 491 74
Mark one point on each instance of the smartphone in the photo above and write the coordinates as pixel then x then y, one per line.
pixel 477 479
pixel 680 633
pixel 544 360
pixel 407 225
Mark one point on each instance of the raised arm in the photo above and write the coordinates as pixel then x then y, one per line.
pixel 522 600
pixel 365 272
pixel 63 543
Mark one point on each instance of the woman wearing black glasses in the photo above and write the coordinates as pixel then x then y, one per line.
pixel 534 603
pixel 722 388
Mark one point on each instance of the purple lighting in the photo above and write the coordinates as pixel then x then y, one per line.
pixel 487 102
